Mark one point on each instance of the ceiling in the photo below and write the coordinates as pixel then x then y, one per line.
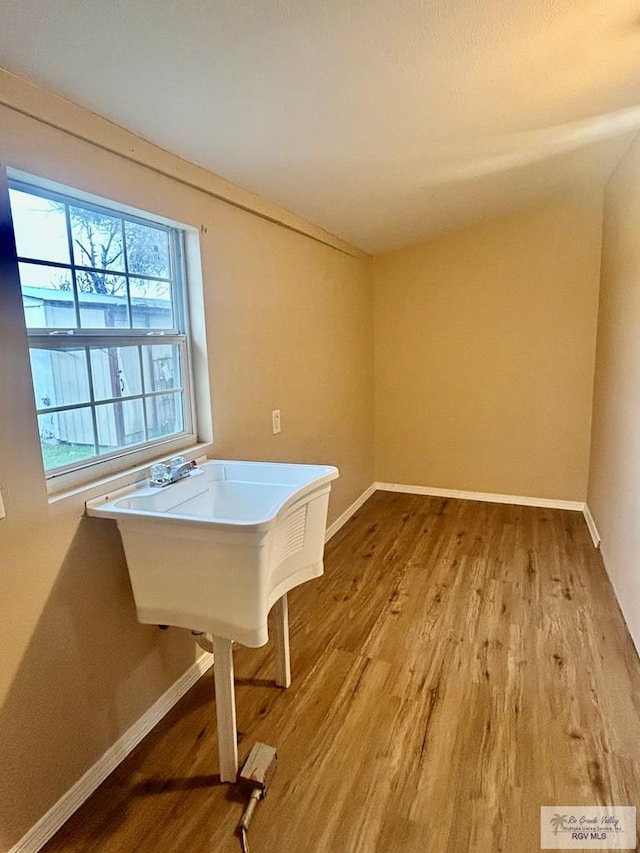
pixel 383 122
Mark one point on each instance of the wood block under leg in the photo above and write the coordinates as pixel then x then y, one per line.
pixel 225 709
pixel 281 625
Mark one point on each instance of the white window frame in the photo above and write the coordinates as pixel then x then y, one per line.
pixel 124 458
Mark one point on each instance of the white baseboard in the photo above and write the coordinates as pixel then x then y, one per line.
pixel 346 515
pixel 621 599
pixel 519 500
pixel 593 530
pixel 51 822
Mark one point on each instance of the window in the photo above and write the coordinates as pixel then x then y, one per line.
pixel 103 300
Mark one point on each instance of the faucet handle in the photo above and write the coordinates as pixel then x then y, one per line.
pixel 160 473
pixel 163 473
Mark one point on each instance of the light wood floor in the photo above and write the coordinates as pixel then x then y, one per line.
pixel 459 665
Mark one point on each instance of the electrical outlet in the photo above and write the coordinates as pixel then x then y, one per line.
pixel 275 421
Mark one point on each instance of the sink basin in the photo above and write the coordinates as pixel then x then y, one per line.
pixel 214 551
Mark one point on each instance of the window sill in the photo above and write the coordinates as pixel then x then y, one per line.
pixel 118 480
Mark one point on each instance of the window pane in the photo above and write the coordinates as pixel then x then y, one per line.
pixel 147 250
pixel 40 227
pixel 161 366
pixel 103 301
pixel 120 424
pixel 164 415
pixel 66 437
pixel 97 239
pixel 151 304
pixel 47 296
pixel 115 371
pixel 60 377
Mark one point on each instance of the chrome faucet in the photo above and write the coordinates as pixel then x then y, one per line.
pixel 164 474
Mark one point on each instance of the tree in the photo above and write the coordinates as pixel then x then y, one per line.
pixel 99 241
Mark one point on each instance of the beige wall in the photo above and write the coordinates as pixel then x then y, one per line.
pixel 484 343
pixel 614 483
pixel 289 326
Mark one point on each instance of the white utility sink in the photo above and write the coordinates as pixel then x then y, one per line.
pixel 216 550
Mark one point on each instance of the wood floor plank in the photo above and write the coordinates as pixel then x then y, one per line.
pixel 459 665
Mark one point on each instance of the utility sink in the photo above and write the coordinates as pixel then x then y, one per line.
pixel 214 551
